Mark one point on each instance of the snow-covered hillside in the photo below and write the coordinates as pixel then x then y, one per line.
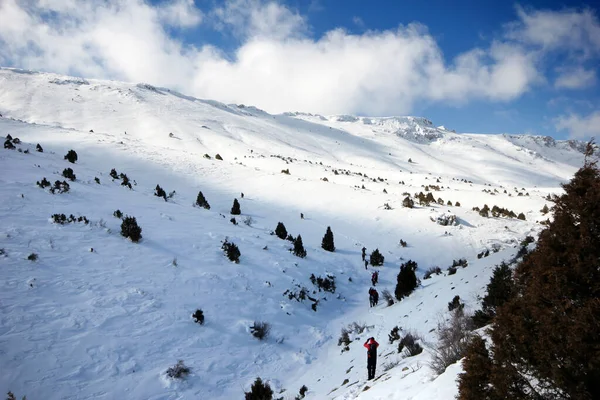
pixel 107 323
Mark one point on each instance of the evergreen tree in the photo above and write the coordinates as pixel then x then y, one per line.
pixel 201 201
pixel 299 247
pixel 407 280
pixel 235 209
pixel 376 259
pixel 545 338
pixel 500 290
pixel 473 384
pixel 280 231
pixel 408 202
pixel 259 391
pixel 327 242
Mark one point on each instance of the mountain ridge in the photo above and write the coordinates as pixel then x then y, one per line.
pixel 410 127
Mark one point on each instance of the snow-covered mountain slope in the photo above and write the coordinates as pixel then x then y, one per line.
pixel 107 323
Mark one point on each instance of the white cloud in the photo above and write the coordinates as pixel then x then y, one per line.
pixel 575 78
pixel 358 21
pixel 576 31
pixel 115 39
pixel 503 72
pixel 579 127
pixel 180 13
pixel 374 73
pixel 277 65
pixel 255 18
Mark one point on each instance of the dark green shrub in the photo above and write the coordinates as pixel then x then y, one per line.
pixel 159 192
pixel 68 173
pixel 44 183
pixel 178 371
pixel 130 229
pixel 198 317
pixel 260 330
pixel 60 187
pixel 71 156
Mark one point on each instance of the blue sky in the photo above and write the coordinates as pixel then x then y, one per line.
pixel 473 66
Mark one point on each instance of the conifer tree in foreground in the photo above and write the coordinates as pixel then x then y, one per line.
pixel 473 384
pixel 545 338
pixel 327 242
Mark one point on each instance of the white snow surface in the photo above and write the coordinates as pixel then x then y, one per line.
pixel 107 323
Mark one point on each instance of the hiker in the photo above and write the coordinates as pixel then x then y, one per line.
pixel 364 253
pixel 371 297
pixel 375 296
pixel 366 263
pixel 371 345
pixel 374 278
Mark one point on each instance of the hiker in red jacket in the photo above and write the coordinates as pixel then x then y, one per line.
pixel 371 346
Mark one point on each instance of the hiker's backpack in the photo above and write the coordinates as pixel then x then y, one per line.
pixel 372 352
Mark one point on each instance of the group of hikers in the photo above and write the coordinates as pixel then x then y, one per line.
pixel 373 294
pixel 373 297
pixel 371 344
